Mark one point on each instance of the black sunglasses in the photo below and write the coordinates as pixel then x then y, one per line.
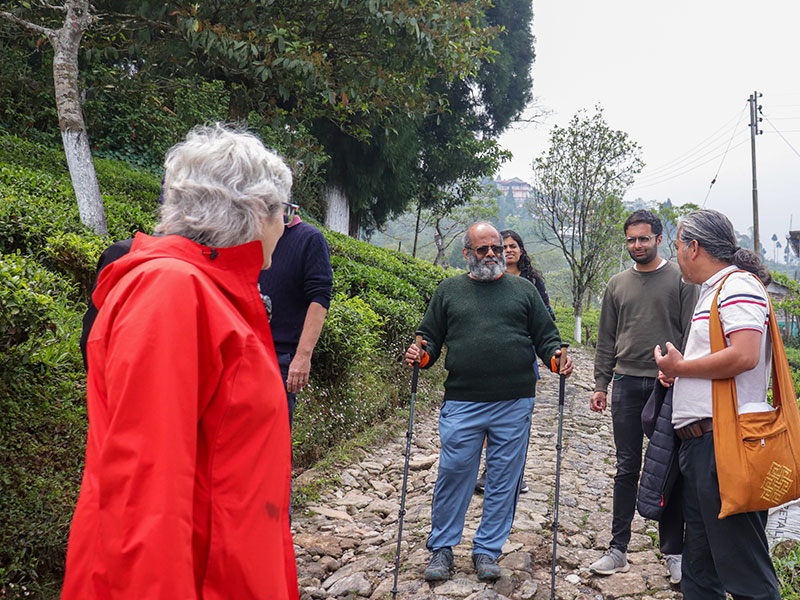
pixel 482 251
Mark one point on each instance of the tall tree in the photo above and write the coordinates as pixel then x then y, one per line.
pixel 66 42
pixel 480 105
pixel 579 182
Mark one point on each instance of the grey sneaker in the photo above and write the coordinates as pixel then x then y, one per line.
pixel 524 488
pixel 486 567
pixel 481 483
pixel 613 561
pixel 440 566
pixel 674 567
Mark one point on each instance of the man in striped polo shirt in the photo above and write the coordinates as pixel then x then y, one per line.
pixel 731 554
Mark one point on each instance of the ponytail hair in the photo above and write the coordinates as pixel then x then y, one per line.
pixel 715 234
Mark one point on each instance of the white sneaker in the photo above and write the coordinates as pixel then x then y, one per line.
pixel 674 567
pixel 613 561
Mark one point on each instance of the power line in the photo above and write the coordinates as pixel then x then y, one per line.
pixel 711 139
pixel 678 168
pixel 780 134
pixel 719 168
pixel 651 184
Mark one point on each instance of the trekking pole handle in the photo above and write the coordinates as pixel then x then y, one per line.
pixel 415 373
pixel 562 360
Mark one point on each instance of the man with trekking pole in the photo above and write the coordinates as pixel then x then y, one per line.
pixel 489 321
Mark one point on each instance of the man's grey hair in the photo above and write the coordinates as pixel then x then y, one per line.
pixel 714 233
pixel 467 241
pixel 219 184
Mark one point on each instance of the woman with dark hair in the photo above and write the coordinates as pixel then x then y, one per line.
pixel 518 263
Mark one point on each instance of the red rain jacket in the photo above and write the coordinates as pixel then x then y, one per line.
pixel 185 493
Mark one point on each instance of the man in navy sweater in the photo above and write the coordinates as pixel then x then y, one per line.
pixel 299 285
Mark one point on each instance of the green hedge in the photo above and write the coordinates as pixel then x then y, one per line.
pixel 42 424
pixel 565 321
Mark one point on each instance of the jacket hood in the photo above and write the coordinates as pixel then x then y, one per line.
pixel 234 269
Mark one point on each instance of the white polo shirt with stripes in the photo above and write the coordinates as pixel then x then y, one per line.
pixel 742 305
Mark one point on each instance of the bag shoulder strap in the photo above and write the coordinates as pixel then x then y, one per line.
pixel 782 383
pixel 715 322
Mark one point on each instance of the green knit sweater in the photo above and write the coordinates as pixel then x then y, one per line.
pixel 488 328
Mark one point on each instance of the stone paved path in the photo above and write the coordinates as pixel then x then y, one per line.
pixel 346 544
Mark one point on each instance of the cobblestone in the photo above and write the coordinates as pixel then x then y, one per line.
pixel 346 544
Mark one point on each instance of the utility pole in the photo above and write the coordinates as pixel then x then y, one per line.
pixel 755 109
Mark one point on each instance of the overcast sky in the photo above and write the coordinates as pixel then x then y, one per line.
pixel 676 77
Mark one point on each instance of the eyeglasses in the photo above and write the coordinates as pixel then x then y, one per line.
pixel 482 251
pixel 289 212
pixel 643 240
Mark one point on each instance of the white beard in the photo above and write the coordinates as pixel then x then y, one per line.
pixel 487 268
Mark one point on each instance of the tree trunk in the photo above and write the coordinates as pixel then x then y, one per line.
pixel 337 216
pixel 577 307
pixel 354 227
pixel 577 331
pixel 238 107
pixel 416 230
pixel 438 239
pixel 66 45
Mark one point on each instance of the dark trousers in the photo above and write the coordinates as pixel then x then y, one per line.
pixel 629 394
pixel 284 360
pixel 720 555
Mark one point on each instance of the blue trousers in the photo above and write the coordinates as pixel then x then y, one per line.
pixel 506 425
pixel 284 360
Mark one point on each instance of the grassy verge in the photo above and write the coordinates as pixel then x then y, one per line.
pixel 327 470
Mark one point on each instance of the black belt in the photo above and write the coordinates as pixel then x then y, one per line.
pixel 696 429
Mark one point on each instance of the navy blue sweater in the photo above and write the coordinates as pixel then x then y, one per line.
pixel 300 274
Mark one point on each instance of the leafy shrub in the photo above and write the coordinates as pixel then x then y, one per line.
pixel 424 275
pixel 353 278
pixel 26 299
pixel 75 256
pixel 400 319
pixel 34 205
pixel 42 425
pixel 793 356
pixel 565 321
pixel 348 339
pixel 42 443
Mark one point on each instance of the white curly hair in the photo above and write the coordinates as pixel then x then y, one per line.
pixel 219 184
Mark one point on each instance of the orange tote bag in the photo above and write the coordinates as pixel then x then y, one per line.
pixel 757 454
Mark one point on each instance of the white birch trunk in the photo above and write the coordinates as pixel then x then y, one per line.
pixel 577 332
pixel 84 180
pixel 337 216
pixel 66 44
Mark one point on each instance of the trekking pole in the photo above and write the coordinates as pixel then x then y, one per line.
pixel 401 514
pixel 561 385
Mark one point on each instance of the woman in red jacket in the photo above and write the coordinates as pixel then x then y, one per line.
pixel 185 492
